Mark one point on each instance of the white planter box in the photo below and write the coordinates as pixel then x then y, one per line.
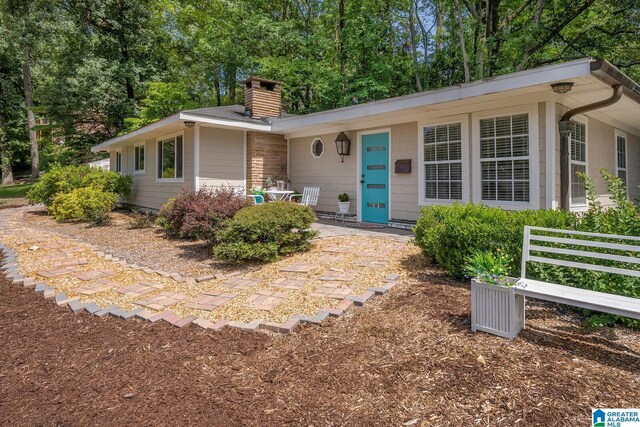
pixel 343 207
pixel 496 310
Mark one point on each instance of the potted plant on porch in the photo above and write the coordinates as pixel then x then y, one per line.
pixel 495 308
pixel 343 203
pixel 278 182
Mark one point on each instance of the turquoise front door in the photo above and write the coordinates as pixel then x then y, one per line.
pixel 375 177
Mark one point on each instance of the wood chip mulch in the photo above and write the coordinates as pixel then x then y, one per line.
pixel 141 246
pixel 409 359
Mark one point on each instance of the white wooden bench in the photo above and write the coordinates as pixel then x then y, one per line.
pixel 546 242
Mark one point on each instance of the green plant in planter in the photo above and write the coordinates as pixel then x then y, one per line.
pixel 344 197
pixel 490 268
pixel 259 191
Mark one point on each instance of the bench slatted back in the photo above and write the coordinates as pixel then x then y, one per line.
pixel 310 196
pixel 582 242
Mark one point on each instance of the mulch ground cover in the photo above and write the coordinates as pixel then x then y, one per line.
pixel 409 358
pixel 142 246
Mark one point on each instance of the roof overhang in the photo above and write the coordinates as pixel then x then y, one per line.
pixel 593 81
pixel 508 82
pixel 175 123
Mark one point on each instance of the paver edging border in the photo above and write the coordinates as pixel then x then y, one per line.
pixel 9 268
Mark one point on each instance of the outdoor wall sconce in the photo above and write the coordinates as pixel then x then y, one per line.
pixel 343 145
pixel 562 87
pixel 189 124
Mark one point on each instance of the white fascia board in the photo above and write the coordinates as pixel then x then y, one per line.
pixel 518 80
pixel 225 122
pixel 148 128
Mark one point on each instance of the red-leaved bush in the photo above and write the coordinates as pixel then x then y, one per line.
pixel 199 214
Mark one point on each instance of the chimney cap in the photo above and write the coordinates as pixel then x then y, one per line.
pixel 260 79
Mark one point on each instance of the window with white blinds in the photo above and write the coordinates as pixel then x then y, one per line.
pixel 443 161
pixel 578 162
pixel 621 158
pixel 504 158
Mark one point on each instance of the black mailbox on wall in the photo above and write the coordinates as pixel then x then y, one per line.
pixel 403 166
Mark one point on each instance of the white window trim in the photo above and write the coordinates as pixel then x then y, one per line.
pixel 464 130
pixel 158 153
pixel 621 134
pixel 534 155
pixel 324 147
pixel 118 152
pixel 585 121
pixel 135 165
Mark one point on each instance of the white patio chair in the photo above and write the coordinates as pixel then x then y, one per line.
pixel 309 196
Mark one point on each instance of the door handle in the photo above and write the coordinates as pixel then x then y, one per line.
pixel 362 181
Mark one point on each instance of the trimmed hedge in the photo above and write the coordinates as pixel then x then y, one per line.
pixel 199 214
pixel 451 234
pixel 265 232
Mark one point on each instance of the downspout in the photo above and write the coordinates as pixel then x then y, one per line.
pixel 565 130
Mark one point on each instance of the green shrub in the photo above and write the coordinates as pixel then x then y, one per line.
pixel 66 179
pixel 623 218
pixel 451 234
pixel 83 204
pixel 264 232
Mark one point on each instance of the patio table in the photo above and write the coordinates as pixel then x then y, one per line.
pixel 278 194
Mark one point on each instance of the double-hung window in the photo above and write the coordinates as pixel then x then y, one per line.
pixel 621 157
pixel 443 162
pixel 578 162
pixel 119 161
pixel 138 158
pixel 170 158
pixel 505 159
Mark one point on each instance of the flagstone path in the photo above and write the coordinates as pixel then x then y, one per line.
pixel 338 273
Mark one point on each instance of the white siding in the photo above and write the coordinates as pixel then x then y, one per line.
pixel 404 187
pixel 146 191
pixel 221 158
pixel 326 172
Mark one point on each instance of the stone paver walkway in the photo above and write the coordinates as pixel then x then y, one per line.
pixel 265 300
pixel 305 288
pixel 210 300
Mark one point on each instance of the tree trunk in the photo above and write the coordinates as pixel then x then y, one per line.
pixel 5 151
pixel 31 118
pixel 492 16
pixel 231 85
pixel 465 59
pixel 438 41
pixel 425 43
pixel 5 163
pixel 414 49
pixel 216 85
pixel 341 23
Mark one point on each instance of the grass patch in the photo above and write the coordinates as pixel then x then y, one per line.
pixel 14 191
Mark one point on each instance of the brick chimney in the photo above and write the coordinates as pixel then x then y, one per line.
pixel 262 98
